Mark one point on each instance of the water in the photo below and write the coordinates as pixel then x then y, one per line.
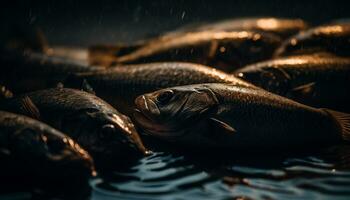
pixel 324 174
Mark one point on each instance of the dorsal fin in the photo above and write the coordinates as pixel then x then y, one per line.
pixel 105 55
pixel 85 86
pixel 77 82
pixel 30 108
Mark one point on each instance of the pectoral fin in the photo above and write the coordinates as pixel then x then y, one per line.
pixel 30 108
pixel 221 126
pixel 218 129
pixel 343 121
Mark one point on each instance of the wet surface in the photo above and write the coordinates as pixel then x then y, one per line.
pixel 323 174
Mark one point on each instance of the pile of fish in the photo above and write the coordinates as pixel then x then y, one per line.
pixel 252 84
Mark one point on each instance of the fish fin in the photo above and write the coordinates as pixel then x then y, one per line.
pixel 106 55
pixel 76 82
pixel 214 45
pixel 222 126
pixel 85 86
pixel 343 120
pixel 304 89
pixel 30 108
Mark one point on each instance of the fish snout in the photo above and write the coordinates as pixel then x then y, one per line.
pixel 128 134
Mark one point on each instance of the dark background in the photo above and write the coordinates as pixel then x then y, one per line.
pixel 85 22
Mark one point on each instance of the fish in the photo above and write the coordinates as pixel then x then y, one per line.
pixel 37 155
pixel 102 54
pixel 225 50
pixel 284 27
pixel 317 80
pixel 120 86
pixel 94 124
pixel 216 116
pixel 25 71
pixel 331 38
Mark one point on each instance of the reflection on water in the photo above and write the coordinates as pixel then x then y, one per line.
pixel 318 175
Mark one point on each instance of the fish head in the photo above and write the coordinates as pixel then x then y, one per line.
pixel 169 112
pixel 105 132
pixel 56 155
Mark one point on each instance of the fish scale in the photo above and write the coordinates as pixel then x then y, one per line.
pixel 28 71
pixel 27 145
pixel 241 47
pixel 316 80
pixel 223 116
pixel 332 38
pixel 83 116
pixel 121 85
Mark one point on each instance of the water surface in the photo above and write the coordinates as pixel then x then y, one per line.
pixel 322 174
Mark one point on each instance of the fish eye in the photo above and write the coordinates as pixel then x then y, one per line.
pixel 165 96
pixel 108 131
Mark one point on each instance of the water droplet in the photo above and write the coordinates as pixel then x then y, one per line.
pixel 183 14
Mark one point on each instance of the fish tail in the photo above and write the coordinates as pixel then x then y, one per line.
pixel 343 120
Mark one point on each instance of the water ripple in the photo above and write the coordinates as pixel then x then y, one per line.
pixel 321 175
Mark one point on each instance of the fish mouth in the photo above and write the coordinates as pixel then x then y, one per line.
pixel 146 122
pixel 147 115
pixel 155 129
